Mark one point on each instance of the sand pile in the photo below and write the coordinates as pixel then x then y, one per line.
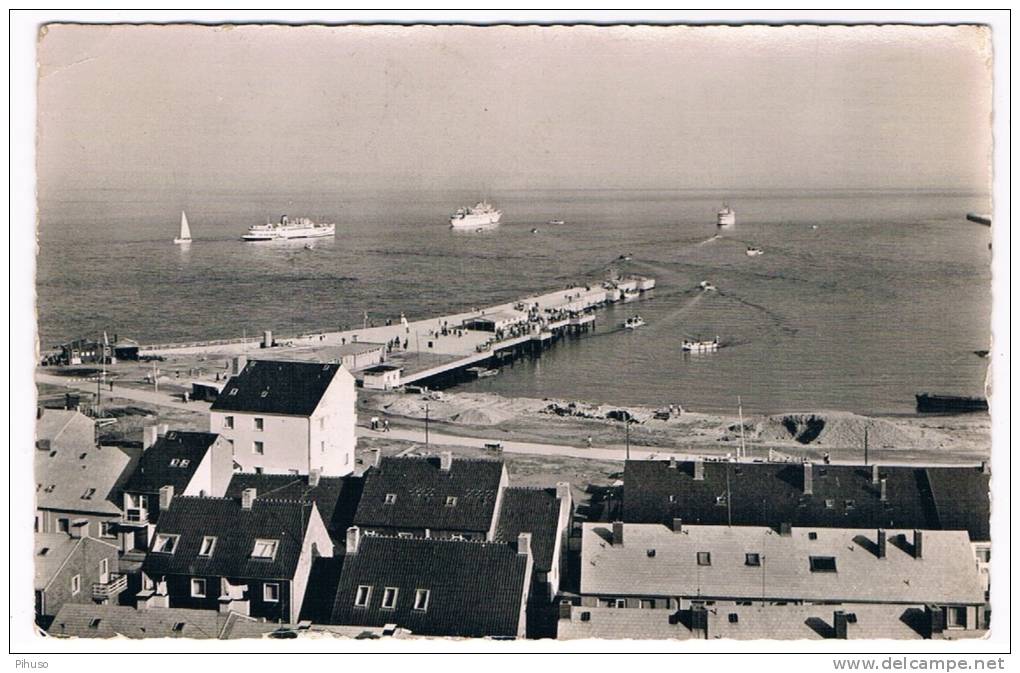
pixel 844 429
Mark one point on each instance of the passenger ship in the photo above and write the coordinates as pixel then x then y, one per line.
pixel 482 214
pixel 286 229
pixel 726 218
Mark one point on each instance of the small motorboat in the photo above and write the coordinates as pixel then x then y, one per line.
pixel 814 226
pixel 556 222
pixel 624 258
pixel 631 294
pixel 534 230
pixel 634 322
pixel 482 372
pixel 706 286
pixel 693 346
pixel 309 246
pixel 754 252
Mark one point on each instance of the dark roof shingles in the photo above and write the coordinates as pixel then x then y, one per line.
pixel 277 387
pixel 335 497
pixel 475 588
pixel 422 488
pixel 154 469
pixel 535 511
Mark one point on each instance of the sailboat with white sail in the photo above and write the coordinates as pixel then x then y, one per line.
pixel 185 236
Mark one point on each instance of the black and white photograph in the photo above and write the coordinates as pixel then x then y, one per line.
pixel 463 335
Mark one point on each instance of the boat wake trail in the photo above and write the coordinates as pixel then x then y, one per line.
pixel 777 319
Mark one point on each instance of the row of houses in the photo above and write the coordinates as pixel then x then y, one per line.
pixel 261 526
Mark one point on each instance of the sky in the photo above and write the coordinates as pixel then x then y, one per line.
pixel 460 107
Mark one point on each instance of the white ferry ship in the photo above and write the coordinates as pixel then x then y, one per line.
pixel 726 218
pixel 699 346
pixel 482 214
pixel 286 229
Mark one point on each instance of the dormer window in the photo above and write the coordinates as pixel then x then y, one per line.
pixel 264 394
pixel 233 391
pixel 451 501
pixel 208 544
pixel 822 564
pixel 752 559
pixel 362 596
pixel 391 499
pixel 165 544
pixel 89 492
pixel 185 462
pixel 265 549
pixel 389 598
pixel 704 558
pixel 260 424
pixel 421 600
pixel 228 421
pixel 175 462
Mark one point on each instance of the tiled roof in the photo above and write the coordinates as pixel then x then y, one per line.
pixel 656 561
pixel 171 461
pixel 752 622
pixel 278 387
pixel 109 621
pixel 335 497
pixel 535 511
pixel 769 494
pixel 421 489
pixel 81 478
pixel 475 588
pixel 65 427
pixel 962 500
pixel 235 530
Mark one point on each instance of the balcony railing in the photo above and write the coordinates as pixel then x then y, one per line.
pixel 111 589
pixel 136 515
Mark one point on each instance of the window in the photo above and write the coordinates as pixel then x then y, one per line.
pixel 956 618
pixel 165 544
pixel 265 549
pixel 258 448
pixel 258 470
pixel 648 603
pixel 264 393
pixel 322 422
pixel 322 447
pixel 175 462
pixel 94 624
pixel 421 600
pixel 87 495
pixel 822 564
pixel 733 618
pixel 228 421
pixel 271 592
pixel 451 501
pixel 651 553
pixel 389 598
pixel 179 626
pixel 362 596
pixel 586 616
pixel 230 443
pixel 106 529
pixel 208 544
pixel 260 424
pixel 830 503
pixel 405 535
pixel 458 536
pixel 104 569
pixel 391 498
pixel 75 585
pixel 812 535
pixel 752 559
pixel 185 462
pixel 704 558
pixel 64 525
pixel 197 587
pixel 621 602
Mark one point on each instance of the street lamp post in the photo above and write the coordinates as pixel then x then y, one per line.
pixel 426 424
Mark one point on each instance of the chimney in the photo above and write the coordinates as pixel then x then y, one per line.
pixel 678 525
pixel 149 436
pixel 617 533
pixel 238 364
pixel 699 470
pixel 79 528
pixel 163 428
pixel 808 474
pixel 839 624
pixel 565 608
pixel 786 529
pixel 874 475
pixel 166 494
pixel 43 444
pixel 524 544
pixel 39 411
pixel 378 457
pixel 267 338
pixel 313 478
pixel 672 462
pixel 882 490
pixel 248 497
pixel 918 544
pixel 985 467
pixel 353 540
pixel 445 460
pixel 563 490
pixel 881 543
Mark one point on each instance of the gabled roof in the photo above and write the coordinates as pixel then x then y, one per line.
pixel 65 427
pixel 51 551
pixel 80 479
pixel 656 561
pixel 278 387
pixel 475 588
pixel 535 511
pixel 236 529
pixel 421 489
pixel 171 461
pixel 769 494
pixel 335 497
pixel 109 621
